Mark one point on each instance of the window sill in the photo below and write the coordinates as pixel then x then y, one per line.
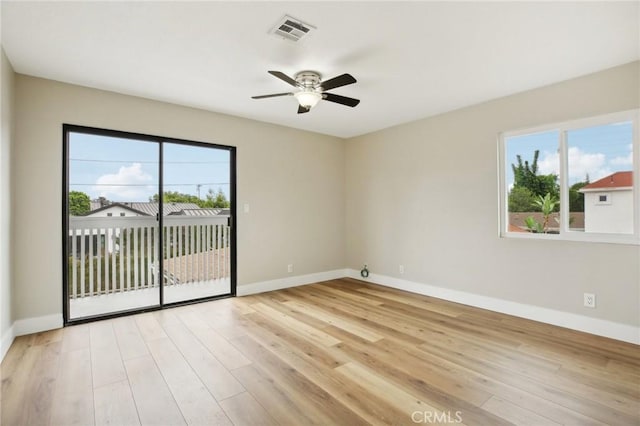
pixel 631 240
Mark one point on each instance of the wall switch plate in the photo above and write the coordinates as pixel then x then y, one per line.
pixel 401 269
pixel 246 207
pixel 589 300
pixel 290 267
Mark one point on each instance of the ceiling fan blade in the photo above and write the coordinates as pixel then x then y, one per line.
pixel 302 109
pixel 343 100
pixel 282 76
pixel 339 81
pixel 272 96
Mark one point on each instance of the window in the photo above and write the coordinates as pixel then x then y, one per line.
pixel 121 213
pixel 109 214
pixel 572 180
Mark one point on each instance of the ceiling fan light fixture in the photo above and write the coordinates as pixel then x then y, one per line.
pixel 310 89
pixel 308 98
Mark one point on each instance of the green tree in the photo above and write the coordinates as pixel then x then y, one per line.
pixel 216 199
pixel 213 200
pixel 525 175
pixel 177 197
pixel 79 203
pixel 521 199
pixel 576 199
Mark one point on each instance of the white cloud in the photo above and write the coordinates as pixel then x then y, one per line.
pixel 626 160
pixel 550 163
pixel 581 164
pixel 130 183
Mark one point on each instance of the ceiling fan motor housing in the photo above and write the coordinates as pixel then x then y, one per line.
pixel 308 79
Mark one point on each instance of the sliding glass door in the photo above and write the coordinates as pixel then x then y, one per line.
pixel 147 222
pixel 197 244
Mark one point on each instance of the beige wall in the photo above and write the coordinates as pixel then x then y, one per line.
pixel 410 189
pixel 6 134
pixel 397 196
pixel 293 181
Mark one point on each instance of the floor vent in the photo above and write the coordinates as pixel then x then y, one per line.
pixel 292 29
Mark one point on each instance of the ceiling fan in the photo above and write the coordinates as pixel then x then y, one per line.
pixel 311 89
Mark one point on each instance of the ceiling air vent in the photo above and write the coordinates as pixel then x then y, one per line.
pixel 291 28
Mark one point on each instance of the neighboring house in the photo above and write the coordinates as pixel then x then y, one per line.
pixel 116 210
pixel 151 208
pixel 608 204
pixel 146 209
pixel 108 236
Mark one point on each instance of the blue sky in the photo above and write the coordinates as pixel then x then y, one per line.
pixel 127 170
pixel 597 151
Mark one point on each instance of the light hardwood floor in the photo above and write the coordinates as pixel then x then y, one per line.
pixel 342 352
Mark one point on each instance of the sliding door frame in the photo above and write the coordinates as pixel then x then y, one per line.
pixel 67 129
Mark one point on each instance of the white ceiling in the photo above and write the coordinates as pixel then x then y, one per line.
pixel 411 59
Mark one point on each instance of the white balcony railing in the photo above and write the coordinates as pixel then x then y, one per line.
pixel 118 254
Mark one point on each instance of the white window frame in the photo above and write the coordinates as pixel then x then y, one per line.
pixel 566 234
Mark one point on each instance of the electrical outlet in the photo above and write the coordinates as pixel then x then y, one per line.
pixel 364 272
pixel 589 300
pixel 290 268
pixel 401 269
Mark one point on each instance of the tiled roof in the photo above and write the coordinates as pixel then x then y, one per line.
pixel 514 228
pixel 616 180
pixel 121 205
pixel 151 208
pixel 174 209
pixel 200 212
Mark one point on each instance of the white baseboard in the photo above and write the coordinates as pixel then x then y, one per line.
pixel 28 326
pixel 623 332
pixel 37 324
pixel 263 286
pixel 5 343
pixel 600 327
